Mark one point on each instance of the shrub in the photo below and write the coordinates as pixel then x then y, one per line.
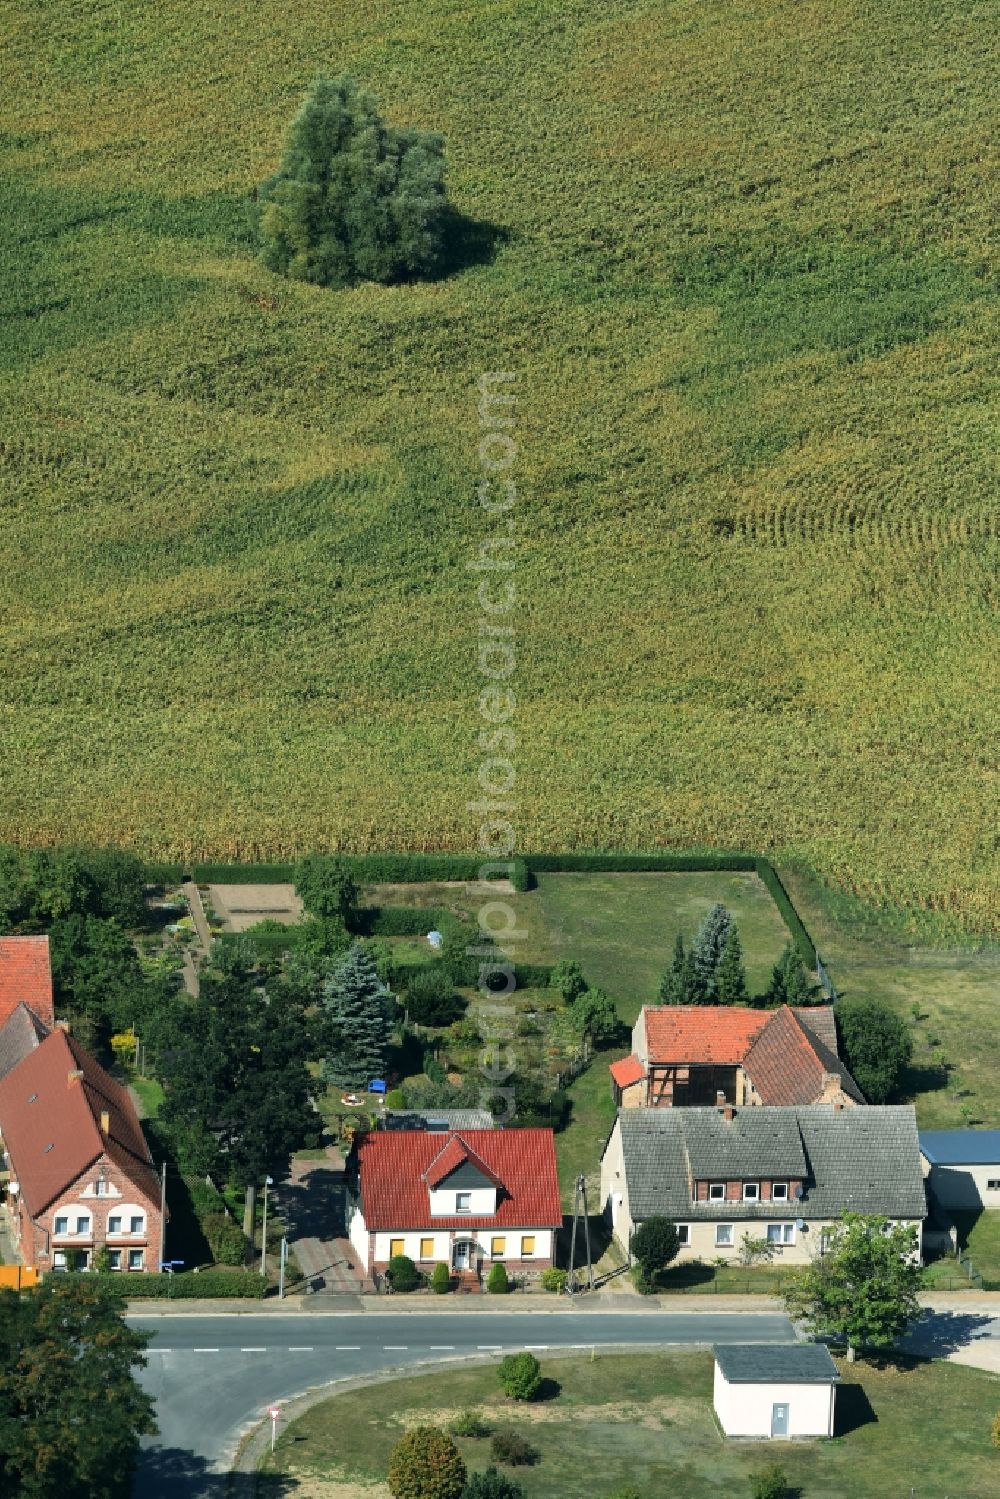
pixel 492 1484
pixel 876 1045
pixel 567 977
pixel 520 1376
pixel 441 1279
pixel 225 1239
pixel 595 1015
pixel 469 1424
pixel 509 1446
pixel 769 1482
pixel 995 1430
pixel 654 1244
pixel 401 1273
pixel 431 997
pixel 395 1099
pixel 553 1279
pixel 497 1282
pixel 426 1464
pixel 194 1284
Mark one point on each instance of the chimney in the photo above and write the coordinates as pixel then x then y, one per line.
pixel 729 1113
pixel 105 1122
pixel 63 1025
pixel 74 1076
pixel 720 1099
pixel 838 1105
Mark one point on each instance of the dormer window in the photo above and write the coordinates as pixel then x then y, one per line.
pixel 463 1202
pixel 751 1191
pixel 717 1192
pixel 779 1191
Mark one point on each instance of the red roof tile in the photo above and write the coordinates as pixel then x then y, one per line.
pixel 393 1168
pixel 701 1034
pixel 51 1123
pixel 456 1153
pixel 787 1064
pixel 627 1071
pixel 26 977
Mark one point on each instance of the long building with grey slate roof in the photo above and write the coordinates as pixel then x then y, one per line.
pixel 780 1174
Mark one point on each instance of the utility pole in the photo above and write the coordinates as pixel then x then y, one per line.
pixel 268 1182
pixel 163 1211
pixel 580 1210
pixel 282 1258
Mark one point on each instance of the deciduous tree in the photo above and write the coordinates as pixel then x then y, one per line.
pixel 327 889
pixel 876 1045
pixel 863 1287
pixel 426 1464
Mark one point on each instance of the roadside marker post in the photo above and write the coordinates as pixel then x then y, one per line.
pixel 274 1411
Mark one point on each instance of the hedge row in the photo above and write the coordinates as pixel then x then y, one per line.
pixel 372 869
pixel 400 921
pixel 526 975
pixel 240 1286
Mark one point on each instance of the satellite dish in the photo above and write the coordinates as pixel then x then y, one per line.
pixel 799 1194
pixel 800 1223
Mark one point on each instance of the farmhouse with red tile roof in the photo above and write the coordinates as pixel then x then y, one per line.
pixel 462 1198
pixel 81 1175
pixel 685 1055
pixel 26 978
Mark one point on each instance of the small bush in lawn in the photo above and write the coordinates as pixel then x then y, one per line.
pixel 426 1464
pixel 395 1099
pixel 509 1446
pixel 225 1239
pixel 497 1282
pixel 624 1494
pixel 401 1273
pixel 552 1279
pixel 995 1430
pixel 769 1482
pixel 492 1484
pixel 469 1424
pixel 440 1279
pixel 431 998
pixel 520 1376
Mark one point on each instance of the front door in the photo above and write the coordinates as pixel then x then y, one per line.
pixel 462 1258
pixel 779 1420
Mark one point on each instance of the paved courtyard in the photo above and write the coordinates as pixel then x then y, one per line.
pixel 311 1201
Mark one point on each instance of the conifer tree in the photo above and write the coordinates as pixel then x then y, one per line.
pixel 730 976
pixel 354 199
pixel 356 1021
pixel 708 945
pixel 789 983
pixel 671 984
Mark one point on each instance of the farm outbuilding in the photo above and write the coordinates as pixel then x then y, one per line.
pixel 775 1390
pixel 963 1167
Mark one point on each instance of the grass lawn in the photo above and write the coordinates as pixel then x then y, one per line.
pixel 150 1094
pixel 648 1418
pixel 979 1233
pixel 956 1040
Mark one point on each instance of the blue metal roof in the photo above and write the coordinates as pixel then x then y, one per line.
pixel 961 1147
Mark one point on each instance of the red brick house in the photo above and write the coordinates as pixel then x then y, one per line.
pixel 699 1055
pixel 464 1199
pixel 26 978
pixel 80 1173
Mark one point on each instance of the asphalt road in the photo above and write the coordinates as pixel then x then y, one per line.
pixel 212 1377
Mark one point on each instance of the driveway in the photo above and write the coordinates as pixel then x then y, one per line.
pixel 311 1201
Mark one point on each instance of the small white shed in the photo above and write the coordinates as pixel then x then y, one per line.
pixel 775 1390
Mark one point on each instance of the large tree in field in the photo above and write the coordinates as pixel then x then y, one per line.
pixel 354 199
pixel 71 1409
pixel 730 976
pixel 327 888
pixel 708 946
pixel 876 1044
pixel 863 1288
pixel 356 1021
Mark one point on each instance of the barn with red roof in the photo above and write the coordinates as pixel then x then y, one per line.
pixel 464 1198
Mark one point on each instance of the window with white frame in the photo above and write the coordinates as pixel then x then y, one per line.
pixel 137 1224
pixel 59 1260
pixel 463 1202
pixel 781 1233
pixel 115 1223
pixel 115 1259
pixel 61 1224
pixel 993 1185
pixel 779 1191
pixel 723 1234
pixel 83 1223
pixel 751 1191
pixel 683 1233
pixel 102 1187
pixel 716 1191
pixel 136 1258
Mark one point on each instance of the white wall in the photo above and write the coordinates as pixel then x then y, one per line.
pixel 614 1196
pixel 483 1237
pixel 744 1410
pixel 357 1231
pixel 965 1186
pixel 484 1202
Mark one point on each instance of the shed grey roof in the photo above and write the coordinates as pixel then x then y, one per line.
pixel 775 1363
pixel 444 1120
pixel 19 1035
pixel 864 1160
pixel 957 1147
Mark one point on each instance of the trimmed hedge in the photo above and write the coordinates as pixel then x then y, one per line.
pixel 400 921
pixel 242 1286
pixel 164 874
pixel 526 975
pixel 373 869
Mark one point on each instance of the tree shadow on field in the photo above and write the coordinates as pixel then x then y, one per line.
pixel 468 242
pixel 549 1389
pixel 917 1079
pixel 174 1473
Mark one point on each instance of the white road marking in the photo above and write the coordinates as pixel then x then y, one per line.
pixel 300 1350
pixel 442 1348
pixel 348 1348
pixel 253 1350
pixel 394 1348
pixel 205 1350
pixel 489 1347
pixel 536 1347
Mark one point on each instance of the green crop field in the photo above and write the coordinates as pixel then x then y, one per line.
pixel 739 261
